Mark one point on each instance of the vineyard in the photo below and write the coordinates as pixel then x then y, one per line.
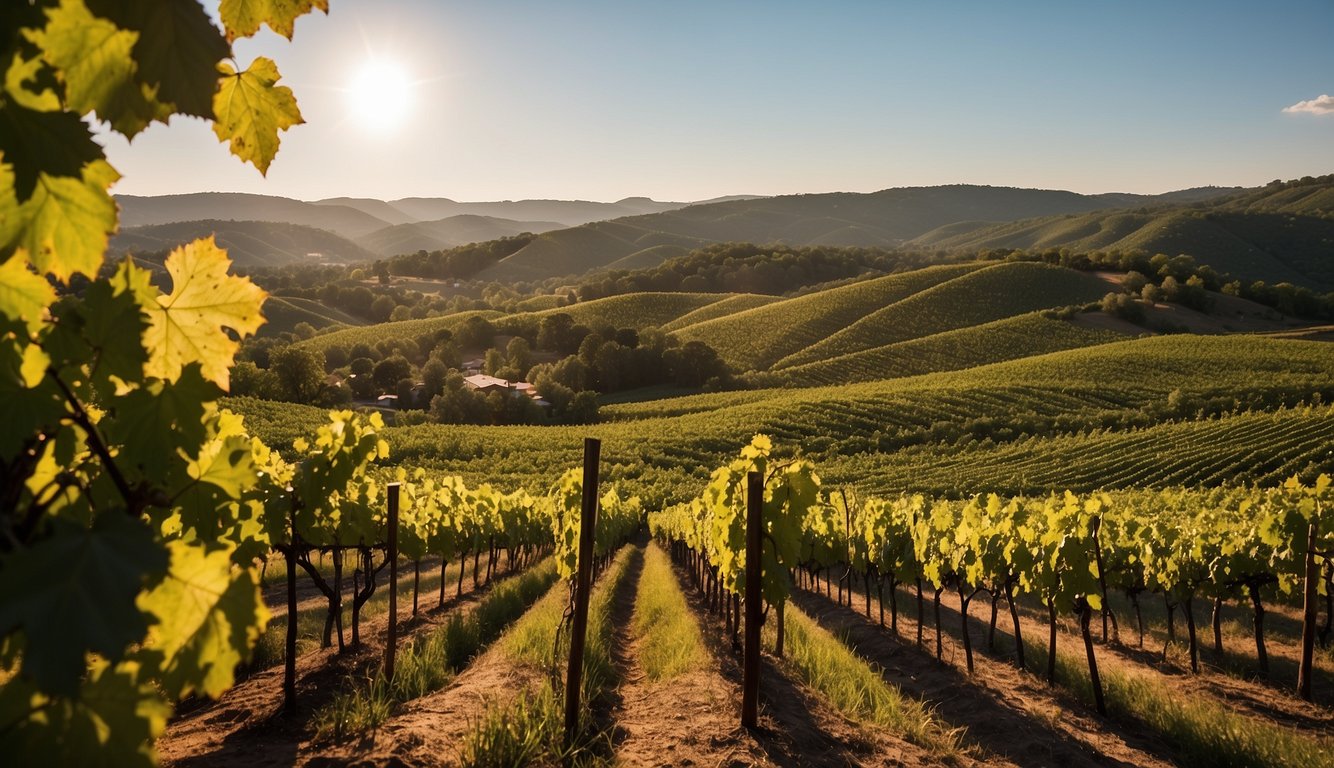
pixel 1106 552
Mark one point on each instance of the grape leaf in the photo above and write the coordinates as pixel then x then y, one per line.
pixel 24 410
pixel 67 594
pixel 65 225
pixel 178 49
pixel 113 723
pixel 25 82
pixel 242 18
pixel 23 295
pixel 226 461
pixel 250 108
pixel 57 144
pixel 114 325
pixel 209 616
pixel 155 420
pixel 188 324
pixel 93 58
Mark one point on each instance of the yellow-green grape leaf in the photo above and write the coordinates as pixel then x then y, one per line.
pixel 209 615
pixel 66 223
pixel 226 461
pixel 24 296
pixel 93 58
pixel 250 108
pixel 242 18
pixel 188 325
pixel 21 85
pixel 178 49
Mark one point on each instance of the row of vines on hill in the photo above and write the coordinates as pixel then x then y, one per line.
pixel 1066 550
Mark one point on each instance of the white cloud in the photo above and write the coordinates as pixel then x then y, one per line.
pixel 1321 105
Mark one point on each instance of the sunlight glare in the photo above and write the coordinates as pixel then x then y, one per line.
pixel 380 95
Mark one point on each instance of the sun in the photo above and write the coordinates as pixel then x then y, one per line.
pixel 380 95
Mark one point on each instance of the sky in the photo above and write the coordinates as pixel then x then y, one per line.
pixel 693 99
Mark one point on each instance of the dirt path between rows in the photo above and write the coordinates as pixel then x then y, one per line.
pixel 1010 716
pixel 1257 698
pixel 247 728
pixel 690 719
pixel 797 728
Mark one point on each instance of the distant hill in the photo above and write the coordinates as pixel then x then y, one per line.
pixel 381 210
pixel 447 233
pixel 568 213
pixel 340 219
pixel 1278 233
pixel 249 243
pixel 888 218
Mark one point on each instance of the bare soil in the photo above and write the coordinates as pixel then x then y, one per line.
pixel 247 727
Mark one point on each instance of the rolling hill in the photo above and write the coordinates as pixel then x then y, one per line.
pixel 1005 339
pixel 758 337
pixel 447 233
pixel 249 243
pixel 1279 233
pixel 887 218
pixel 569 213
pixel 340 219
pixel 283 313
pixel 980 296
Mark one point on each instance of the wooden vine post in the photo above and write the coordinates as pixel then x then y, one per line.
pixel 582 585
pixel 289 662
pixel 750 668
pixel 1308 613
pixel 392 554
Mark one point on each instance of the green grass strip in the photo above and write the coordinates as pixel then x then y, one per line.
pixel 1201 732
pixel 668 635
pixel 853 688
pixel 427 663
pixel 530 729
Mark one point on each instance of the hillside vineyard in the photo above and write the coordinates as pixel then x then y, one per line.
pixel 933 475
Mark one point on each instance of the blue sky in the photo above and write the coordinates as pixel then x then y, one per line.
pixel 688 100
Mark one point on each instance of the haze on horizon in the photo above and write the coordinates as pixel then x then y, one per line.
pixel 693 100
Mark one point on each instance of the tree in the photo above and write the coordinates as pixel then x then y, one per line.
pixel 103 625
pixel 389 370
pixel 694 363
pixel 475 333
pixel 433 378
pixel 299 372
pixel 382 309
pixel 520 355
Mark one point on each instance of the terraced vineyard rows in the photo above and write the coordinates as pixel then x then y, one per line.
pixel 992 342
pixel 757 338
pixel 985 295
pixel 1262 448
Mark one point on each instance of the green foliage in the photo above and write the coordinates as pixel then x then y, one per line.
pixel 133 514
